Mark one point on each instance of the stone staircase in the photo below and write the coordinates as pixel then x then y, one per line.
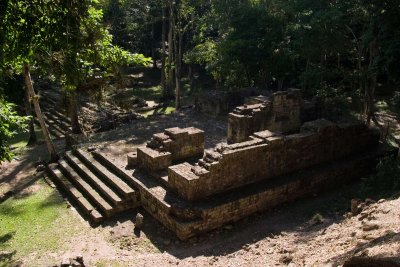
pixel 55 116
pixel 99 193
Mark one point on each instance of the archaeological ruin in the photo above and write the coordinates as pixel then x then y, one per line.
pixel 272 156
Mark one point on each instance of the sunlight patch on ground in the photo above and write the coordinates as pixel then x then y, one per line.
pixel 34 224
pixel 164 110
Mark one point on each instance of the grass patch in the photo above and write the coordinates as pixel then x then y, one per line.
pixel 164 110
pixel 20 140
pixel 38 223
pixel 108 263
pixel 148 93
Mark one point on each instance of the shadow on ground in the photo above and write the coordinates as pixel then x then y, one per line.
pixel 6 257
pixel 292 217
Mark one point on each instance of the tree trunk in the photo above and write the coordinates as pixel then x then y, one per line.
pixel 163 37
pixel 153 48
pixel 171 46
pixel 191 77
pixel 73 112
pixel 28 110
pixel 28 83
pixel 178 68
pixel 371 82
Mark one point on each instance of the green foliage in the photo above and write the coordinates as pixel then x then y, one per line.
pixel 130 22
pixel 66 38
pixel 10 122
pixel 386 180
pixel 307 44
pixel 92 56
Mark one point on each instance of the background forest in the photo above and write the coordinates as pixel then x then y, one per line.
pixel 326 48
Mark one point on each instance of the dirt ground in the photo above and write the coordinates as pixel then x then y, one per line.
pixel 317 231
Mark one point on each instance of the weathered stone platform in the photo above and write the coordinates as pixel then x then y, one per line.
pixel 191 190
pixel 189 218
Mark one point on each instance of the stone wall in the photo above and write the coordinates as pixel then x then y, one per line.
pixel 217 103
pixel 279 113
pixel 174 145
pixel 267 155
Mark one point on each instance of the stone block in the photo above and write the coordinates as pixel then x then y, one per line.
pixel 181 143
pixel 132 159
pixel 176 133
pixel 153 160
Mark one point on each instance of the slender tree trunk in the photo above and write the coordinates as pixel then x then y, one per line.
pixel 370 84
pixel 163 39
pixel 73 112
pixel 191 77
pixel 28 109
pixel 153 47
pixel 28 83
pixel 171 46
pixel 178 68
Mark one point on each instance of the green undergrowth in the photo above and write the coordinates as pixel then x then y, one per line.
pixel 148 93
pixel 34 224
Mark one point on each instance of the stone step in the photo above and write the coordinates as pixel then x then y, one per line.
pixel 48 106
pixel 88 190
pixel 208 159
pixel 54 132
pixel 149 185
pixel 110 178
pixel 60 115
pixel 53 110
pixel 162 204
pixel 60 122
pixel 48 101
pixel 206 165
pixel 93 180
pixel 212 155
pixel 84 205
pixel 54 125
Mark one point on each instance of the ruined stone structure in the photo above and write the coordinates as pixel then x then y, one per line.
pixel 268 155
pixel 279 113
pixel 217 103
pixel 191 191
pixel 173 145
